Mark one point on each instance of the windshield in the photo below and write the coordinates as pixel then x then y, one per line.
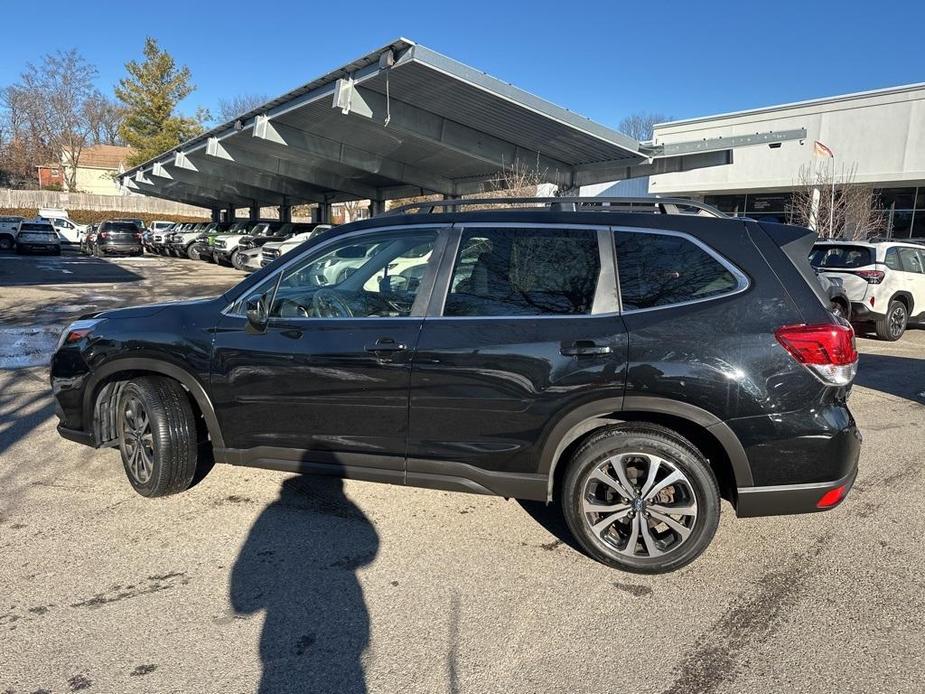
pixel 825 256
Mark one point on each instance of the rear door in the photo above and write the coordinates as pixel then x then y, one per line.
pixel 522 327
pixel 913 262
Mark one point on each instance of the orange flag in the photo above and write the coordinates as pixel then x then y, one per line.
pixel 820 150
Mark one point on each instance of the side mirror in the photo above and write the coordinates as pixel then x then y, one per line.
pixel 258 311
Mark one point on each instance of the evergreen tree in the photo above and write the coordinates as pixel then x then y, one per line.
pixel 150 93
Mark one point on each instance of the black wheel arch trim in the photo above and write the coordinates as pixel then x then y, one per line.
pixel 590 416
pixel 907 298
pixel 190 382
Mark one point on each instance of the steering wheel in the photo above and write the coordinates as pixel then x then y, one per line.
pixel 327 303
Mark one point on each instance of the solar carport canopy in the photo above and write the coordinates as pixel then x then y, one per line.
pixel 400 121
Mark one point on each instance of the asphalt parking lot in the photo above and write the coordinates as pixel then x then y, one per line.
pixel 258 579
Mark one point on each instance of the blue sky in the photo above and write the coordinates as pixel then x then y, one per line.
pixel 604 60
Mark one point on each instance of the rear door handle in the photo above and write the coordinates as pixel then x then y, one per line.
pixel 584 348
pixel 385 344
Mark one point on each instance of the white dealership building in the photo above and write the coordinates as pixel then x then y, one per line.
pixel 879 135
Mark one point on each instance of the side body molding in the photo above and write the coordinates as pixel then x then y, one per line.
pixel 190 382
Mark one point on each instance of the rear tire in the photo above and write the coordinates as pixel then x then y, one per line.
pixel 237 261
pixel 892 326
pixel 6 243
pixel 632 530
pixel 157 436
pixel 192 253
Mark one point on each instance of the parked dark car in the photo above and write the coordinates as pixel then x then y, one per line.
pixel 634 368
pixel 117 238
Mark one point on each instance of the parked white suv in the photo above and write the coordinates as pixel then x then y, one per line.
pixel 885 281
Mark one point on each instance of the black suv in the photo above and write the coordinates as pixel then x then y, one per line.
pixel 633 367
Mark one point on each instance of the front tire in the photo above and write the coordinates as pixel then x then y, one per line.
pixel 157 436
pixel 641 498
pixel 892 326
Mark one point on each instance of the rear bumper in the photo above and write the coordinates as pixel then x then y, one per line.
pixel 786 499
pixel 861 311
pixel 121 249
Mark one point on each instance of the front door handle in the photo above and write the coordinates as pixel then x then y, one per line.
pixel 385 344
pixel 584 348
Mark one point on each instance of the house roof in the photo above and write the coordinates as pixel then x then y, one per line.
pixel 103 156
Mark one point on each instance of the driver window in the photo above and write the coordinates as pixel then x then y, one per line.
pixel 362 277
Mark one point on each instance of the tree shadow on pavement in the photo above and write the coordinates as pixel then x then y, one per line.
pixel 299 565
pixel 900 376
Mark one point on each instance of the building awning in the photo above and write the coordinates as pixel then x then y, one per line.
pixel 401 121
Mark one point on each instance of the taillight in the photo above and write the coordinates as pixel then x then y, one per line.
pixel 827 350
pixel 832 497
pixel 870 276
pixel 138 237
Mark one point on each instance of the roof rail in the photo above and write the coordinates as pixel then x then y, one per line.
pixel 884 239
pixel 571 204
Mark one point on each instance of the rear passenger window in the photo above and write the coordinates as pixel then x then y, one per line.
pixel 892 259
pixel 912 261
pixel 524 272
pixel 662 269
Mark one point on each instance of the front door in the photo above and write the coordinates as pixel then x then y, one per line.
pixel 522 328
pixel 326 384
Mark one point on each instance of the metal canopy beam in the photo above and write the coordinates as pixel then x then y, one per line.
pixel 284 169
pixel 205 192
pixel 189 199
pixel 595 173
pixel 715 144
pixel 317 146
pixel 445 133
pixel 214 180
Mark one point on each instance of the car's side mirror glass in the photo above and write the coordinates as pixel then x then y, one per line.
pixel 257 309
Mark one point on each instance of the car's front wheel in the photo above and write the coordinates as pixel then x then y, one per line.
pixel 157 436
pixel 892 326
pixel 641 498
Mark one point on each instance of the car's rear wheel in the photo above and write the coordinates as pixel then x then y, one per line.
pixel 6 243
pixel 841 309
pixel 641 498
pixel 192 253
pixel 157 436
pixel 892 326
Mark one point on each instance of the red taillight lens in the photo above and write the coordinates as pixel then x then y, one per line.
pixel 827 349
pixel 832 497
pixel 872 276
pixel 76 335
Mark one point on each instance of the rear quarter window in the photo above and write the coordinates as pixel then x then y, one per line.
pixel 665 269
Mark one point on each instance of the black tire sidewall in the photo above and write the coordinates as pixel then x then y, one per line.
pixel 655 441
pixel 883 324
pixel 174 435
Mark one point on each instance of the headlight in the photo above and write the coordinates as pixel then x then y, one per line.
pixel 76 331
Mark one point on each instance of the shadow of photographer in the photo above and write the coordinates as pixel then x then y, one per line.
pixel 298 565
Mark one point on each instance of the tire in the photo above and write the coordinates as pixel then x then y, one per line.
pixel 6 243
pixel 237 261
pixel 892 326
pixel 156 411
pixel 841 310
pixel 192 253
pixel 661 548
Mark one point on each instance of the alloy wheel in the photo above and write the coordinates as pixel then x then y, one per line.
pixel 137 441
pixel 639 505
pixel 897 320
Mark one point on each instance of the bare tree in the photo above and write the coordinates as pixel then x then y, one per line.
pixel 21 145
pixel 50 104
pixel 833 204
pixel 104 115
pixel 229 109
pixel 640 126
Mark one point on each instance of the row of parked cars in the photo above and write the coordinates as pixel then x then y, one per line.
pixel 245 245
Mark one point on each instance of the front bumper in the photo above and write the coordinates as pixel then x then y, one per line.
pixel 83 437
pixel 786 499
